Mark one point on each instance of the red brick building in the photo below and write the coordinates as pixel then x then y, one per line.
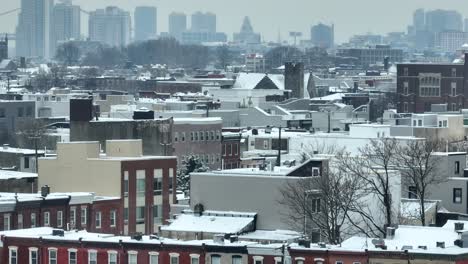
pixel 231 153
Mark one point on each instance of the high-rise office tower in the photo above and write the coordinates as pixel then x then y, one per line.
pixel 443 20
pixel 33 32
pixel 177 24
pixel 322 36
pixel 145 23
pixel 67 23
pixel 110 26
pixel 203 22
pixel 419 20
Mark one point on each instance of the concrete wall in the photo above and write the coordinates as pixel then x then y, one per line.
pixel 77 169
pixel 256 117
pixel 14 116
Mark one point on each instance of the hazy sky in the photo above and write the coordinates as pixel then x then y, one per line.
pixel 272 16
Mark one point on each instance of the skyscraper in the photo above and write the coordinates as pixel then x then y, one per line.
pixel 443 20
pixel 247 34
pixel 67 23
pixel 110 26
pixel 33 32
pixel 322 36
pixel 419 20
pixel 145 23
pixel 177 24
pixel 203 22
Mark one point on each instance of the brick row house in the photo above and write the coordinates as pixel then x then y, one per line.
pixel 421 85
pixel 144 185
pixel 231 152
pixel 48 245
pixel 80 211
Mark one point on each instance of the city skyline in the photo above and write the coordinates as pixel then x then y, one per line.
pixel 352 17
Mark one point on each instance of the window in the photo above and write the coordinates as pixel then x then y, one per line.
pixel 258 259
pixel 457 195
pixel 140 215
pixel 125 214
pixel 457 167
pixel 412 193
pixel 6 222
pixel 72 256
pixel 454 89
pixel 84 215
pixel 454 107
pixel 125 185
pixel 153 258
pixel 236 259
pixel 218 135
pixel 420 123
pixel 46 218
pixel 405 88
pixel 316 205
pixel 236 149
pixel 13 255
pixel 171 179
pixel 212 133
pixel 157 182
pixel 405 71
pixel 33 219
pixel 20 221
pixel 52 256
pixel 299 261
pixel 202 137
pixel 174 258
pixel 112 256
pixel 132 257
pixel 183 137
pixel 405 107
pixel 157 214
pixel 445 123
pixel 194 259
pixel 33 257
pixel 26 162
pixel 176 137
pixel 207 135
pixel 113 218
pixel 316 172
pixel 429 84
pixel 265 144
pixel 29 111
pixel 454 72
pixel 140 185
pixel 20 111
pixel 192 136
pixel 338 262
pixel 215 259
pixel 73 216
pixel 196 136
pixel 92 257
pixel 2 112
pixel 98 219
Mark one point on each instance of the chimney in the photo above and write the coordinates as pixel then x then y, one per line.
pixel 45 190
pixel 390 232
pixel 81 110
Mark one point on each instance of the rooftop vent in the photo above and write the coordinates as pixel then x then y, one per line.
pixel 459 226
pixel 218 239
pixel 45 190
pixel 304 243
pixel 440 244
pixel 422 247
pixel 58 232
pixel 137 237
pixel 390 232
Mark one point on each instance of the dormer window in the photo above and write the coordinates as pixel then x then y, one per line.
pixel 316 172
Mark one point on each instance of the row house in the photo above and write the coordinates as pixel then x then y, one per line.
pixel 48 245
pixel 144 185
pixel 231 152
pixel 70 211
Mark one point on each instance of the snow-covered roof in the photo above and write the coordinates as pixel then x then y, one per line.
pixel 272 235
pixel 250 80
pixel 410 208
pixel 209 224
pixel 331 97
pixel 10 175
pixel 7 149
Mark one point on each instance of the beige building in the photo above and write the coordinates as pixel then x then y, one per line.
pixel 145 184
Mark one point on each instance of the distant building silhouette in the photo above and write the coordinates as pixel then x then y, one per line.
pixel 294 79
pixel 145 23
pixel 203 22
pixel 177 24
pixel 247 34
pixel 110 26
pixel 33 36
pixel 4 48
pixel 67 23
pixel 322 36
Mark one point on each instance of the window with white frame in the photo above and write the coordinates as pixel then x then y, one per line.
pixel 405 107
pixel 125 185
pixel 52 256
pixel 113 218
pixel 454 88
pixel 132 257
pixel 72 256
pixel 112 257
pixel 92 256
pixel 98 219
pixel 33 219
pixel 46 218
pixel 316 172
pixel 33 256
pixel 194 259
pixel 299 260
pixel 20 221
pixel 140 215
pixel 59 218
pixel 176 137
pixel 182 137
pixel 153 258
pixel 73 216
pixel 338 262
pixel 6 222
pixel 278 260
pixel 13 255
pixel 207 135
pixel 258 259
pixel 141 184
pixel 84 215
pixel 405 88
pixel 315 205
pixel 174 258
pixel 236 259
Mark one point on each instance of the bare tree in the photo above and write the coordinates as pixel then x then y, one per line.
pixel 32 135
pixel 419 166
pixel 325 202
pixel 374 166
